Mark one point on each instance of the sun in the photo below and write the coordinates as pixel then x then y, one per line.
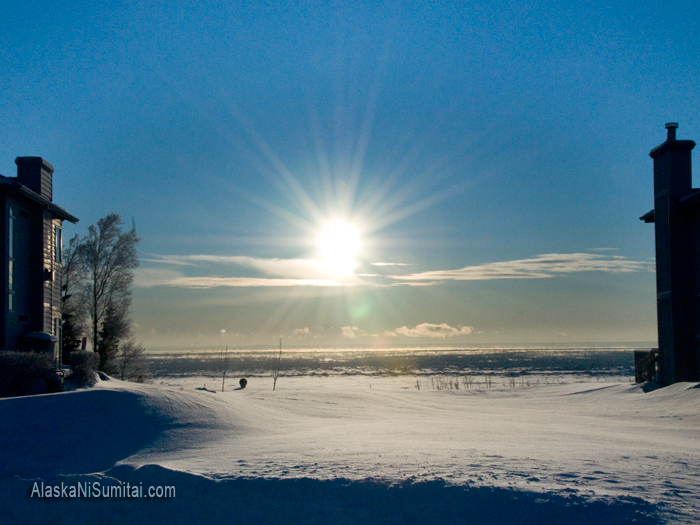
pixel 338 242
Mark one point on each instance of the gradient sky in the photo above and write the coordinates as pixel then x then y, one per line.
pixel 493 157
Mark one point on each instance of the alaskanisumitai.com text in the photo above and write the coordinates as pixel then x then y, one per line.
pixel 96 489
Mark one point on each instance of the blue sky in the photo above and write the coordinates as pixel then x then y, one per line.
pixel 492 156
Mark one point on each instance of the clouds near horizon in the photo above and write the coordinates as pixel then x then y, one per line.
pixel 442 331
pixel 349 331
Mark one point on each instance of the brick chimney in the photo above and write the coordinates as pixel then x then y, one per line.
pixel 36 174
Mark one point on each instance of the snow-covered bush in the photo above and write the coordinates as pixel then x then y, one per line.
pixel 84 365
pixel 27 373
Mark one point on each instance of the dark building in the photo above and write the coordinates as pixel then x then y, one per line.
pixel 31 230
pixel 676 218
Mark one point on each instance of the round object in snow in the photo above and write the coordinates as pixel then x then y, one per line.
pixel 243 382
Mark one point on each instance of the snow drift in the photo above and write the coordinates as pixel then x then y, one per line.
pixel 355 450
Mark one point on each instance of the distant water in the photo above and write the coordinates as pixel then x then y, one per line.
pixel 594 360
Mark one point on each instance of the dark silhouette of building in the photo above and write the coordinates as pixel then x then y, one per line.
pixel 676 218
pixel 31 230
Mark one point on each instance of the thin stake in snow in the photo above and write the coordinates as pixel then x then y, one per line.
pixel 276 358
pixel 223 366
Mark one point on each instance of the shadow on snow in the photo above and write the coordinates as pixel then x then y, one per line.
pixel 240 500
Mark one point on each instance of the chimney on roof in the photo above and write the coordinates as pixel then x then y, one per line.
pixel 36 174
pixel 671 130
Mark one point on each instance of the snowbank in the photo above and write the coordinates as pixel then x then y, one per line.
pixel 353 450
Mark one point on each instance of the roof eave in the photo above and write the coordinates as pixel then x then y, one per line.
pixel 50 206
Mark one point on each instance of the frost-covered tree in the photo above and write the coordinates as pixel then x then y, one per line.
pixel 72 307
pixel 115 328
pixel 109 257
pixel 130 362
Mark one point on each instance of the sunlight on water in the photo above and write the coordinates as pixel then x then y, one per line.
pixel 596 359
pixel 557 347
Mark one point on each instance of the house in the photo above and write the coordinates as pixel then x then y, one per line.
pixel 31 231
pixel 676 219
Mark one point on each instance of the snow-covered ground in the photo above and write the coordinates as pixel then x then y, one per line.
pixel 354 449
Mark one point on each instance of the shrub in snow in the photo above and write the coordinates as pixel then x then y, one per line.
pixel 27 373
pixel 84 365
pixel 243 382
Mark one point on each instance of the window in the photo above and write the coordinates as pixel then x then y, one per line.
pixel 11 260
pixel 58 241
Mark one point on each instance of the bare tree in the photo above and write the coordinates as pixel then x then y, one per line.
pixel 109 258
pixel 131 362
pixel 276 358
pixel 223 366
